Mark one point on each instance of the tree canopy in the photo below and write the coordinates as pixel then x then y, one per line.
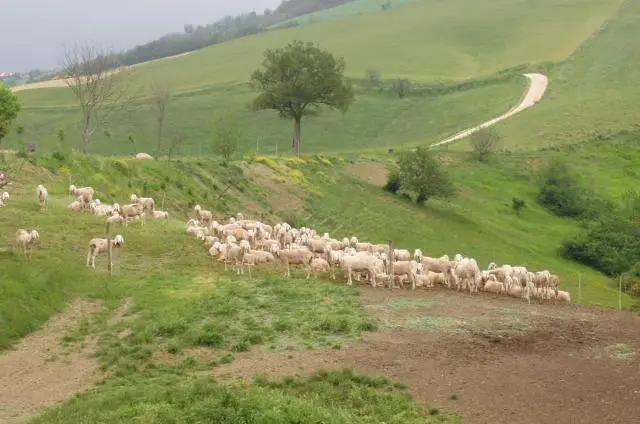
pixel 9 109
pixel 420 173
pixel 299 80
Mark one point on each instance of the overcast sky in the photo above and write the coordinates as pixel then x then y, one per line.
pixel 33 32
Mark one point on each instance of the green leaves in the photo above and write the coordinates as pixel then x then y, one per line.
pixel 420 172
pixel 9 109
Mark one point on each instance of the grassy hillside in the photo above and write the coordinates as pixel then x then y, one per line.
pixel 428 41
pixel 377 120
pixel 595 93
pixel 354 8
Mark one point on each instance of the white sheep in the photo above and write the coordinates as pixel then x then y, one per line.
pixel 290 257
pixel 83 194
pixel 401 255
pixel 359 263
pixel 563 296
pixel 43 196
pixel 161 215
pixel 495 287
pixel 147 203
pixel 203 215
pixel 319 266
pixel 26 240
pixel 76 206
pixel 97 245
pixel 133 211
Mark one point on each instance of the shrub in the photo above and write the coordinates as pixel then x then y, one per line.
pixel 393 181
pixel 420 173
pixel 560 191
pixel 518 205
pixel 374 76
pixel 401 87
pixel 484 143
pixel 225 142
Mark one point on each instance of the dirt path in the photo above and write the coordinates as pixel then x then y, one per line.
pixel 39 372
pixel 537 87
pixel 505 362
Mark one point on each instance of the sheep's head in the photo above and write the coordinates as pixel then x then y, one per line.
pixel 117 241
pixel 239 216
pixel 492 266
pixel 97 201
pixel 34 235
pixel 197 208
pixel 116 207
pixel 231 239
pixel 5 195
pixel 232 220
pixel 72 188
pixel 133 197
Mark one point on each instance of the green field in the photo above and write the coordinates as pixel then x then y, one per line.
pixel 187 316
pixel 427 41
pixel 353 8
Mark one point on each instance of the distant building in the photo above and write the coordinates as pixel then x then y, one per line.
pixel 8 74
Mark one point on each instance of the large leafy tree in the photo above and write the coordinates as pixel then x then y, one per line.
pixel 420 173
pixel 298 80
pixel 9 109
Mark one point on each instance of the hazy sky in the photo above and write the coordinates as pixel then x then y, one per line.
pixel 33 32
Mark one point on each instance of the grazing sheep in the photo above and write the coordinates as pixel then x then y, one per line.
pixel 206 217
pixel 319 266
pixel 467 275
pixel 147 203
pixel 83 194
pixel 115 219
pixel 144 156
pixel 160 215
pixel 443 265
pixel 290 257
pixel 131 211
pixel 408 269
pixel 359 263
pixel 43 196
pixel 26 240
pixel 98 245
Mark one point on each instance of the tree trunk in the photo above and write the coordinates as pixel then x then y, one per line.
pixel 86 133
pixel 159 139
pixel 296 136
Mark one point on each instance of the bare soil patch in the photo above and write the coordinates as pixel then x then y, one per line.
pixel 493 359
pixel 39 372
pixel 371 172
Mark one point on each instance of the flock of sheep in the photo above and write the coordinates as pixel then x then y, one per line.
pixel 245 243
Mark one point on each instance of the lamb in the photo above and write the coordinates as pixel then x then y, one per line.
pixel 160 215
pixel 26 240
pixel 203 215
pixel 83 194
pixel 290 257
pixel 97 245
pixel 76 206
pixel 130 211
pixel 235 255
pixel 115 219
pixel 495 287
pixel 430 279
pixel 408 269
pixel 147 203
pixel 563 296
pixel 319 266
pixel 443 265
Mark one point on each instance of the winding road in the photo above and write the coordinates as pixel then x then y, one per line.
pixel 537 87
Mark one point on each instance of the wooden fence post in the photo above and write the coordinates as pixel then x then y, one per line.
pixel 580 288
pixel 620 293
pixel 109 249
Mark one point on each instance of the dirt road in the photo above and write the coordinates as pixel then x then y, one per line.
pixel 537 87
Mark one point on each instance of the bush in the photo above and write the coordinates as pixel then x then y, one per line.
pixel 420 173
pixel 225 142
pixel 518 205
pixel 401 87
pixel 560 190
pixel 393 181
pixel 610 244
pixel 374 76
pixel 484 143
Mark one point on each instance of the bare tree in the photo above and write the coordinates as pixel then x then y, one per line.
pixel 98 83
pixel 484 142
pixel 158 103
